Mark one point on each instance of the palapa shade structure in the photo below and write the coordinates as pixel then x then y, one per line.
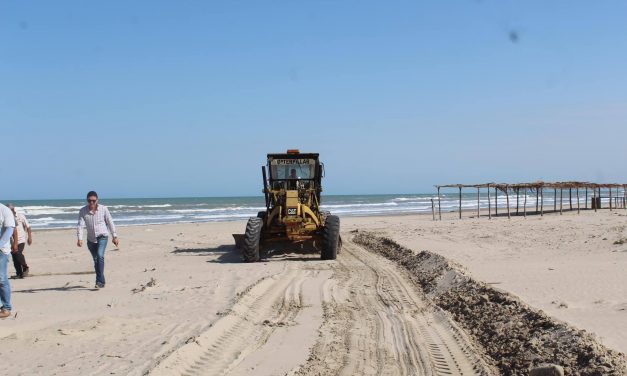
pixel 615 201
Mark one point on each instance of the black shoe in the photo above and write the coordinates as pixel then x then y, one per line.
pixel 17 277
pixel 100 285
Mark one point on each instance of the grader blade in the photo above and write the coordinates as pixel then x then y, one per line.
pixel 239 240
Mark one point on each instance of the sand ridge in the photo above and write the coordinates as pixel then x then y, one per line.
pixel 515 336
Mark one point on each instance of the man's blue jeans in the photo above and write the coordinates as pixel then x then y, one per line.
pixel 5 288
pixel 97 252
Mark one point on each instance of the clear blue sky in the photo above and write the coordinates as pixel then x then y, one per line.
pixel 185 98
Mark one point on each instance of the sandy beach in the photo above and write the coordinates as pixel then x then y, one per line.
pixel 179 300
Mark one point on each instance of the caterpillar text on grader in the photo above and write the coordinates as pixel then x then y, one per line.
pixel 292 192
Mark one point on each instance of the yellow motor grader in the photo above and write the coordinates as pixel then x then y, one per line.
pixel 292 187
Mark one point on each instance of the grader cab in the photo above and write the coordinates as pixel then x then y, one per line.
pixel 292 183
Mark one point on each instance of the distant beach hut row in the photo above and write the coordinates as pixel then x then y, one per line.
pixel 615 195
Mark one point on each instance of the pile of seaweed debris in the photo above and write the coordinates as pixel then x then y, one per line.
pixel 514 335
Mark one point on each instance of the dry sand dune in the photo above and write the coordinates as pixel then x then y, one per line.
pixel 179 301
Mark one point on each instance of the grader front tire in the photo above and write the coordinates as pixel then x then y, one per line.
pixel 331 238
pixel 252 236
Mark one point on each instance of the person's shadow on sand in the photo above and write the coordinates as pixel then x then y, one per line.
pixel 62 288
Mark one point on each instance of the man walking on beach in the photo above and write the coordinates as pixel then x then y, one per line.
pixel 20 238
pixel 97 219
pixel 7 225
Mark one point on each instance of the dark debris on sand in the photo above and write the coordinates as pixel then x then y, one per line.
pixel 515 336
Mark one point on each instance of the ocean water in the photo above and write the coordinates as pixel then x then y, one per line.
pixel 46 214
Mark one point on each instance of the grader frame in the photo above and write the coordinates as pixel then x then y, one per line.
pixel 292 186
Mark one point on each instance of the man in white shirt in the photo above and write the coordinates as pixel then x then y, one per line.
pixel 98 222
pixel 7 226
pixel 21 236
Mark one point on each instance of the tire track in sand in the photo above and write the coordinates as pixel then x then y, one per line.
pixel 261 311
pixel 384 326
pixel 375 322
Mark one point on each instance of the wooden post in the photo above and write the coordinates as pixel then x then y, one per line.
pixel 570 197
pixel 439 205
pixel 541 201
pixel 489 204
pixel 525 204
pixel 507 195
pixel 496 202
pixel 517 196
pixel 625 197
pixel 460 202
pixel 578 200
pixel 554 199
pixel 594 197
pixel 561 199
pixel 586 198
pixel 537 201
pixel 433 209
pixel 478 203
pixel 610 189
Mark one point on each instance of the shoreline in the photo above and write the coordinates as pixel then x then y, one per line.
pixel 466 214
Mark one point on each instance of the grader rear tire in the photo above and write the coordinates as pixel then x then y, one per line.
pixel 252 236
pixel 330 238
